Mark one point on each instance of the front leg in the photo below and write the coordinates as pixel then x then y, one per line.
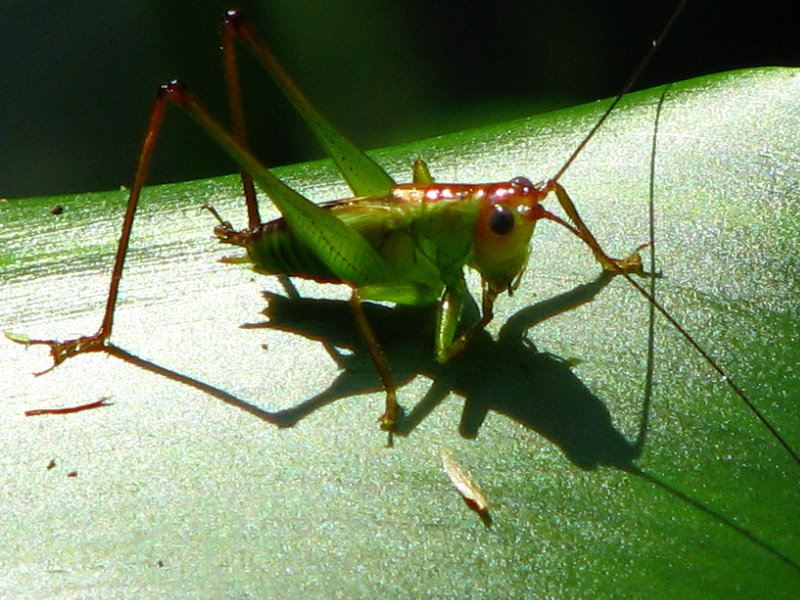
pixel 449 314
pixel 630 264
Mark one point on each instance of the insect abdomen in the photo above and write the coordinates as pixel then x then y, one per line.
pixel 275 250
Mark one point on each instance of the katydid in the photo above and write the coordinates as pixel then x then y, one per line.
pixel 401 243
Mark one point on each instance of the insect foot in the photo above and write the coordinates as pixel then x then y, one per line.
pixel 632 264
pixel 61 351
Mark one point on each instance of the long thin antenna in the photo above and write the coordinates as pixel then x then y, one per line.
pixel 583 232
pixel 625 89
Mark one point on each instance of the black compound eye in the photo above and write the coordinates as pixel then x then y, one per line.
pixel 501 220
pixel 522 183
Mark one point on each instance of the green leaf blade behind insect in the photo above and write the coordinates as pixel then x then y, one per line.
pixel 242 493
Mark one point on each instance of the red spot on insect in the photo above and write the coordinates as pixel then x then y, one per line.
pixel 72 474
pixel 442 192
pixel 415 193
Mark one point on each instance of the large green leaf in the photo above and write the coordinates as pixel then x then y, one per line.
pixel 234 506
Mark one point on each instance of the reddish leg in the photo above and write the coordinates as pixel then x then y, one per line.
pixel 237 117
pixel 98 342
pixel 61 351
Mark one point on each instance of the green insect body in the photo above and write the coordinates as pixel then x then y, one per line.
pixel 424 235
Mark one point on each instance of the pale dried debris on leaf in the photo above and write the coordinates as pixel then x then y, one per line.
pixel 473 496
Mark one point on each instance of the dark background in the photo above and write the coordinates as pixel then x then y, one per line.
pixel 77 79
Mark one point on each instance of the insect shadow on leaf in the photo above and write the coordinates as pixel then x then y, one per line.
pixel 507 375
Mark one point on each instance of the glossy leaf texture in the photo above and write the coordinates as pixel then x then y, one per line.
pixel 231 505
